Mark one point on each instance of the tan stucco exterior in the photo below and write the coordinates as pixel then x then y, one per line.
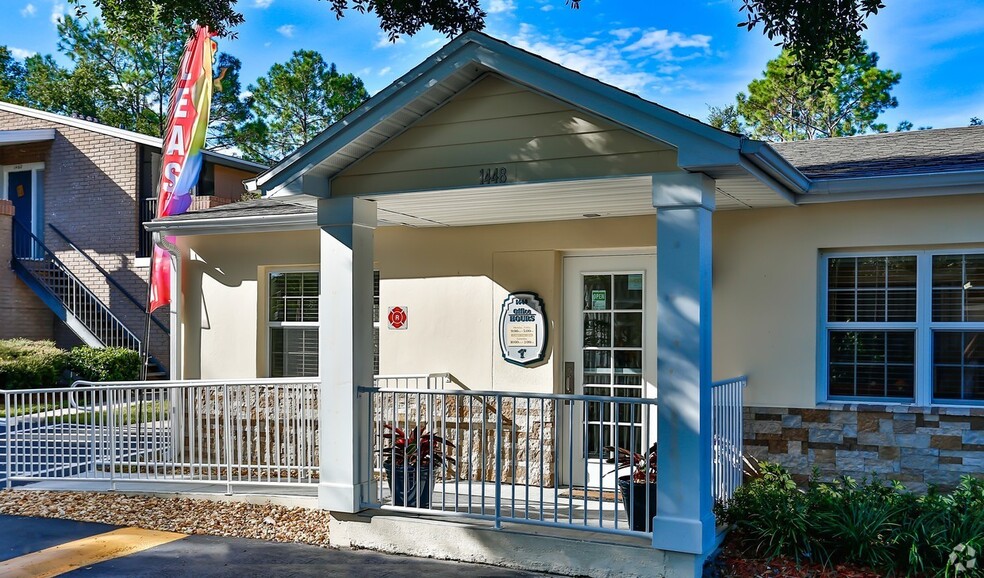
pixel 766 279
pixel 452 281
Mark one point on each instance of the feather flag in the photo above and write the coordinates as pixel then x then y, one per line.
pixel 181 158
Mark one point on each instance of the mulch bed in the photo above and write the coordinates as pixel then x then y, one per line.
pixel 730 563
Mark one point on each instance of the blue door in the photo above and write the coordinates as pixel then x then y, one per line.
pixel 20 192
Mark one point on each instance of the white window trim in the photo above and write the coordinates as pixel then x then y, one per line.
pixel 924 327
pixel 268 272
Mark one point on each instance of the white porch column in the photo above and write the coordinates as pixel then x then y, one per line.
pixel 344 349
pixel 684 521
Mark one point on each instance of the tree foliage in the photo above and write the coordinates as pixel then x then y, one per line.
pixel 816 32
pixel 787 105
pixel 293 103
pixel 11 77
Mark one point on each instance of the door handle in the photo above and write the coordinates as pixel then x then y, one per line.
pixel 569 377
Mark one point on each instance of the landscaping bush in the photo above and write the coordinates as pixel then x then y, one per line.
pixel 866 523
pixel 106 364
pixel 26 364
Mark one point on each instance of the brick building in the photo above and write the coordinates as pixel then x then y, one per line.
pixel 73 196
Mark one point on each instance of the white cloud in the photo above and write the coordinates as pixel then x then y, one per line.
pixel 384 41
pixel 287 30
pixel 623 34
pixel 547 7
pixel 661 43
pixel 501 6
pixel 262 4
pixel 384 71
pixel 621 60
pixel 20 53
pixel 57 13
pixel 28 11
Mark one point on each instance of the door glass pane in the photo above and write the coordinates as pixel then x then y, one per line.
pixel 597 292
pixel 628 291
pixel 628 329
pixel 597 329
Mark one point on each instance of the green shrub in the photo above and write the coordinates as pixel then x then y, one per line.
pixel 105 364
pixel 866 523
pixel 26 364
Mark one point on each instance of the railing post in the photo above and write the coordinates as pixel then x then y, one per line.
pixel 498 462
pixel 10 450
pixel 112 437
pixel 227 435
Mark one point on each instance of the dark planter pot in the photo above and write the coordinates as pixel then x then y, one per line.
pixel 403 484
pixel 634 500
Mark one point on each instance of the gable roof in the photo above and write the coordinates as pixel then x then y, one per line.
pixel 749 173
pixel 901 153
pixel 127 135
pixel 459 64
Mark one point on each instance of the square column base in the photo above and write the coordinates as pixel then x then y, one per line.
pixel 685 534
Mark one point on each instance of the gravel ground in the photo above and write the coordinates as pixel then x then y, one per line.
pixel 265 522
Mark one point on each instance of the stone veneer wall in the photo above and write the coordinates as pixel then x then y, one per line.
pixel 916 446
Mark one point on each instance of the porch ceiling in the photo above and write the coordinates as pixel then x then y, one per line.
pixel 549 201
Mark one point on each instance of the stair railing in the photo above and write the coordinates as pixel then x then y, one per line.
pixel 36 260
pixel 109 279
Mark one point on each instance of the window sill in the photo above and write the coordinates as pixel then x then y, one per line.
pixel 141 262
pixel 962 410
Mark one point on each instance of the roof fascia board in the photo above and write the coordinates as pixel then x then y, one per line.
pixel 10 137
pixel 120 133
pixel 894 187
pixel 775 165
pixel 766 179
pixel 251 224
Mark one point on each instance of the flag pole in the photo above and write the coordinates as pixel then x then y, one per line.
pixel 181 161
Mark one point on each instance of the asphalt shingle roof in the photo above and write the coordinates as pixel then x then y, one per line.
pixel 898 153
pixel 250 208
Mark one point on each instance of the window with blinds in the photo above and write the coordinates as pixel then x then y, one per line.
pixel 293 323
pixel 905 328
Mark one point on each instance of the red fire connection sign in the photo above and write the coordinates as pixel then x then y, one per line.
pixel 397 317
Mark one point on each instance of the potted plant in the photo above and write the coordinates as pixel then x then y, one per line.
pixel 638 486
pixel 409 461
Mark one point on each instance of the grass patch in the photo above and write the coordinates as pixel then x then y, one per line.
pixel 135 413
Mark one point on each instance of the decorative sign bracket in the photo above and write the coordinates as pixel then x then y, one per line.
pixel 523 328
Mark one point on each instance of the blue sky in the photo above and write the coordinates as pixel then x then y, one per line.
pixel 684 55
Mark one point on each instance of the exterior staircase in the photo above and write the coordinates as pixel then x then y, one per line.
pixel 72 301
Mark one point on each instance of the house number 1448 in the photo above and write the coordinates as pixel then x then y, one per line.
pixel 490 176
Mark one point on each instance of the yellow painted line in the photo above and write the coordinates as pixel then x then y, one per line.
pixel 85 552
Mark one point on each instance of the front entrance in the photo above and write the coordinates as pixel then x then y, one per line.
pixel 21 185
pixel 610 350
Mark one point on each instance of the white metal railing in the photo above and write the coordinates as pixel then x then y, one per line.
pixel 727 453
pixel 235 432
pixel 514 457
pixel 419 381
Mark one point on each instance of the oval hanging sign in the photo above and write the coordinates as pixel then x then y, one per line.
pixel 523 328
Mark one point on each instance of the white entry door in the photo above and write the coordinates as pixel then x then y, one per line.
pixel 610 347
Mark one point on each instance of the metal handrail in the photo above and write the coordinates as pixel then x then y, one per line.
pixel 86 306
pixel 109 278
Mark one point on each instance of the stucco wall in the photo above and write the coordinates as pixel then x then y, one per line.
pixel 766 275
pixel 453 281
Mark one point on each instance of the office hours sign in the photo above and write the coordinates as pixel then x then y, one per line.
pixel 523 328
